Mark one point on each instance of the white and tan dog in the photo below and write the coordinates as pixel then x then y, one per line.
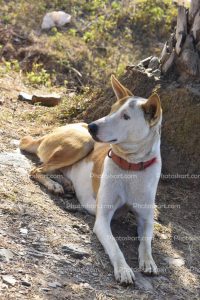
pixel 118 166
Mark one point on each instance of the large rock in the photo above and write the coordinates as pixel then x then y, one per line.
pixel 16 161
pixel 55 19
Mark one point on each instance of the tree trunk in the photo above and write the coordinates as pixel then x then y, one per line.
pixel 181 52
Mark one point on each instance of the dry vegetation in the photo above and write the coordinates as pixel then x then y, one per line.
pixel 102 39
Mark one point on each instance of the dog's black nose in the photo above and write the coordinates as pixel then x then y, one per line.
pixel 93 128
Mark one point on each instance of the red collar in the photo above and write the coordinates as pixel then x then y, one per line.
pixel 125 165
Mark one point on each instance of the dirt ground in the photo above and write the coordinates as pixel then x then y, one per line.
pixel 36 228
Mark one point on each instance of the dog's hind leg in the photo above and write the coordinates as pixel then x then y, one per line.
pixel 54 163
pixel 30 144
pixel 61 179
pixel 56 156
pixel 39 175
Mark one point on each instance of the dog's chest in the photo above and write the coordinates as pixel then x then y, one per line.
pixel 133 186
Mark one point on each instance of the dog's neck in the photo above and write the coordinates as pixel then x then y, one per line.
pixel 141 151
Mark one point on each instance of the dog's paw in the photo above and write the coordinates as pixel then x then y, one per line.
pixel 55 188
pixel 68 186
pixel 147 265
pixel 124 274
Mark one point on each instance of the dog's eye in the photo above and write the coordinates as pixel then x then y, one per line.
pixel 126 117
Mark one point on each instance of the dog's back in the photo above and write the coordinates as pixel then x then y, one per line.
pixel 64 146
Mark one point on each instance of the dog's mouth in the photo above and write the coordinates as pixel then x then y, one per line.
pixel 96 138
pixel 112 141
pixel 101 141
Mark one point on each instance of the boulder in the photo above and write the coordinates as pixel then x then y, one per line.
pixel 55 19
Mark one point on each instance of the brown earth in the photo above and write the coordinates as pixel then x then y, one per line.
pixel 36 48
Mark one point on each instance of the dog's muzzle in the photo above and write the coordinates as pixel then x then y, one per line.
pixel 93 129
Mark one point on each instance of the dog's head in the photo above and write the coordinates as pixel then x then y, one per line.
pixel 131 118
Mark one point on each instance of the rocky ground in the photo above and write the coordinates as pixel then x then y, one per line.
pixel 48 249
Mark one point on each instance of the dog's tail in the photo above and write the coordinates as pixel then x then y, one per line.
pixel 30 144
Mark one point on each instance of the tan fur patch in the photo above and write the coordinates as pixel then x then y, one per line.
pixel 152 109
pixel 63 147
pixel 118 104
pixel 29 144
pixel 98 156
pixel 118 88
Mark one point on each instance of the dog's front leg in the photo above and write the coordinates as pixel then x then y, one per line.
pixel 145 234
pixel 107 205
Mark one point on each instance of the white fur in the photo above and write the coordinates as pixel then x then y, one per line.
pixel 138 141
pixel 139 194
pixel 80 175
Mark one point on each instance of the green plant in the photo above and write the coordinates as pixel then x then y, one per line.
pixel 9 65
pixel 154 16
pixel 104 36
pixel 72 32
pixel 38 76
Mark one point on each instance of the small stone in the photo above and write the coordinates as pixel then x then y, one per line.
pixel 143 283
pixel 163 236
pixel 154 63
pixel 86 285
pixel 145 62
pixel 25 97
pixel 45 289
pixel 162 278
pixel 43 240
pixel 55 19
pixel 72 94
pixel 26 283
pixel 23 231
pixel 15 142
pixel 22 292
pixel 74 252
pixel 176 262
pixel 54 284
pixel 36 253
pixel 6 254
pixel 46 100
pixel 149 70
pixel 21 271
pixel 83 228
pixel 9 279
pixel 156 73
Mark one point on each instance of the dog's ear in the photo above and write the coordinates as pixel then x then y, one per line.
pixel 119 89
pixel 152 109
